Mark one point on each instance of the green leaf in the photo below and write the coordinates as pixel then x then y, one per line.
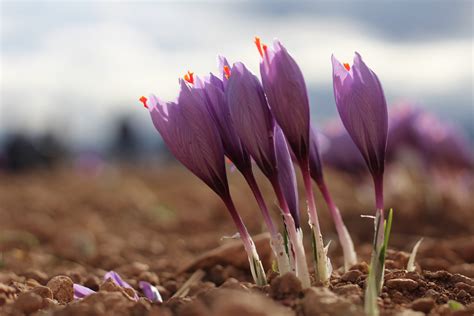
pixel 454 305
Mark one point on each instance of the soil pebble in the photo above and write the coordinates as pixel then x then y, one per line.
pixel 402 284
pixel 424 304
pixel 62 288
pixel 285 286
pixel 28 302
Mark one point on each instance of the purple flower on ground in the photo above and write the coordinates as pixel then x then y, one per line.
pixel 285 89
pixel 190 134
pixel 81 291
pixel 150 291
pixel 363 110
pixel 215 99
pixel 252 117
pixel 286 174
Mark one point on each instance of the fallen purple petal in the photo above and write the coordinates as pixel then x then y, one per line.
pixel 150 291
pixel 81 291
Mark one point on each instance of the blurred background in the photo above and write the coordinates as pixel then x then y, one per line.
pixel 72 71
pixel 85 177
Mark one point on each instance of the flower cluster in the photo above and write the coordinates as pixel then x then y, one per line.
pixel 235 114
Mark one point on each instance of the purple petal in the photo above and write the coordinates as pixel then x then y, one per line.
pixel 363 110
pixel 81 291
pixel 286 174
pixel 315 163
pixel 285 89
pixel 115 277
pixel 189 132
pixel 150 291
pixel 220 112
pixel 252 117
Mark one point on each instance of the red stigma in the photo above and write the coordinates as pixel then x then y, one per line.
pixel 259 46
pixel 143 100
pixel 227 71
pixel 346 65
pixel 189 77
pixel 228 161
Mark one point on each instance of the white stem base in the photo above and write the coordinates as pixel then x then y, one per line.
pixel 296 239
pixel 323 267
pixel 350 256
pixel 256 266
pixel 278 247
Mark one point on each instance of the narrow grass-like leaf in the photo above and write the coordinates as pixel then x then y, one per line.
pixel 411 260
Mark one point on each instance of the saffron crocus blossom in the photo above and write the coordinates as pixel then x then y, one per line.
pixel 115 277
pixel 285 88
pixel 81 291
pixel 189 132
pixel 150 291
pixel 216 102
pixel 363 110
pixel 350 257
pixel 255 127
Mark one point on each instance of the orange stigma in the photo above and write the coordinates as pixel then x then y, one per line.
pixel 258 43
pixel 226 71
pixel 143 100
pixel 228 161
pixel 189 77
pixel 346 65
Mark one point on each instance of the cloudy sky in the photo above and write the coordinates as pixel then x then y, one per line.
pixel 74 66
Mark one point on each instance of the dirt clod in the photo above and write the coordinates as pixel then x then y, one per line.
pixel 62 288
pixel 28 302
pixel 287 285
pixel 402 284
pixel 424 304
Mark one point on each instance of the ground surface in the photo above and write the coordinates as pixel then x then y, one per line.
pixel 165 227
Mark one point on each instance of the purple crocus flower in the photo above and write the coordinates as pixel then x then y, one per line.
pixel 286 173
pixel 214 92
pixel 255 127
pixel 285 89
pixel 150 291
pixel 363 110
pixel 252 117
pixel 81 291
pixel 190 133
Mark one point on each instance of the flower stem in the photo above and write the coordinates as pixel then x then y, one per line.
pixel 322 264
pixel 350 257
pixel 256 267
pixel 294 235
pixel 276 242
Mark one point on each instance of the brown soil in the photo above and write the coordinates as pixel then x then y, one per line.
pixel 166 227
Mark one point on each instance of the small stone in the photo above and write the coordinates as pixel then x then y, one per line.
pixel 348 289
pixel 438 275
pixel 287 285
pixel 465 287
pixel 402 284
pixel 361 266
pixel 424 304
pixel 351 276
pixel 43 291
pixel 461 278
pixel 62 288
pixel 28 302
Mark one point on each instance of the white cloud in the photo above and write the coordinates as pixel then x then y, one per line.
pixel 93 69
